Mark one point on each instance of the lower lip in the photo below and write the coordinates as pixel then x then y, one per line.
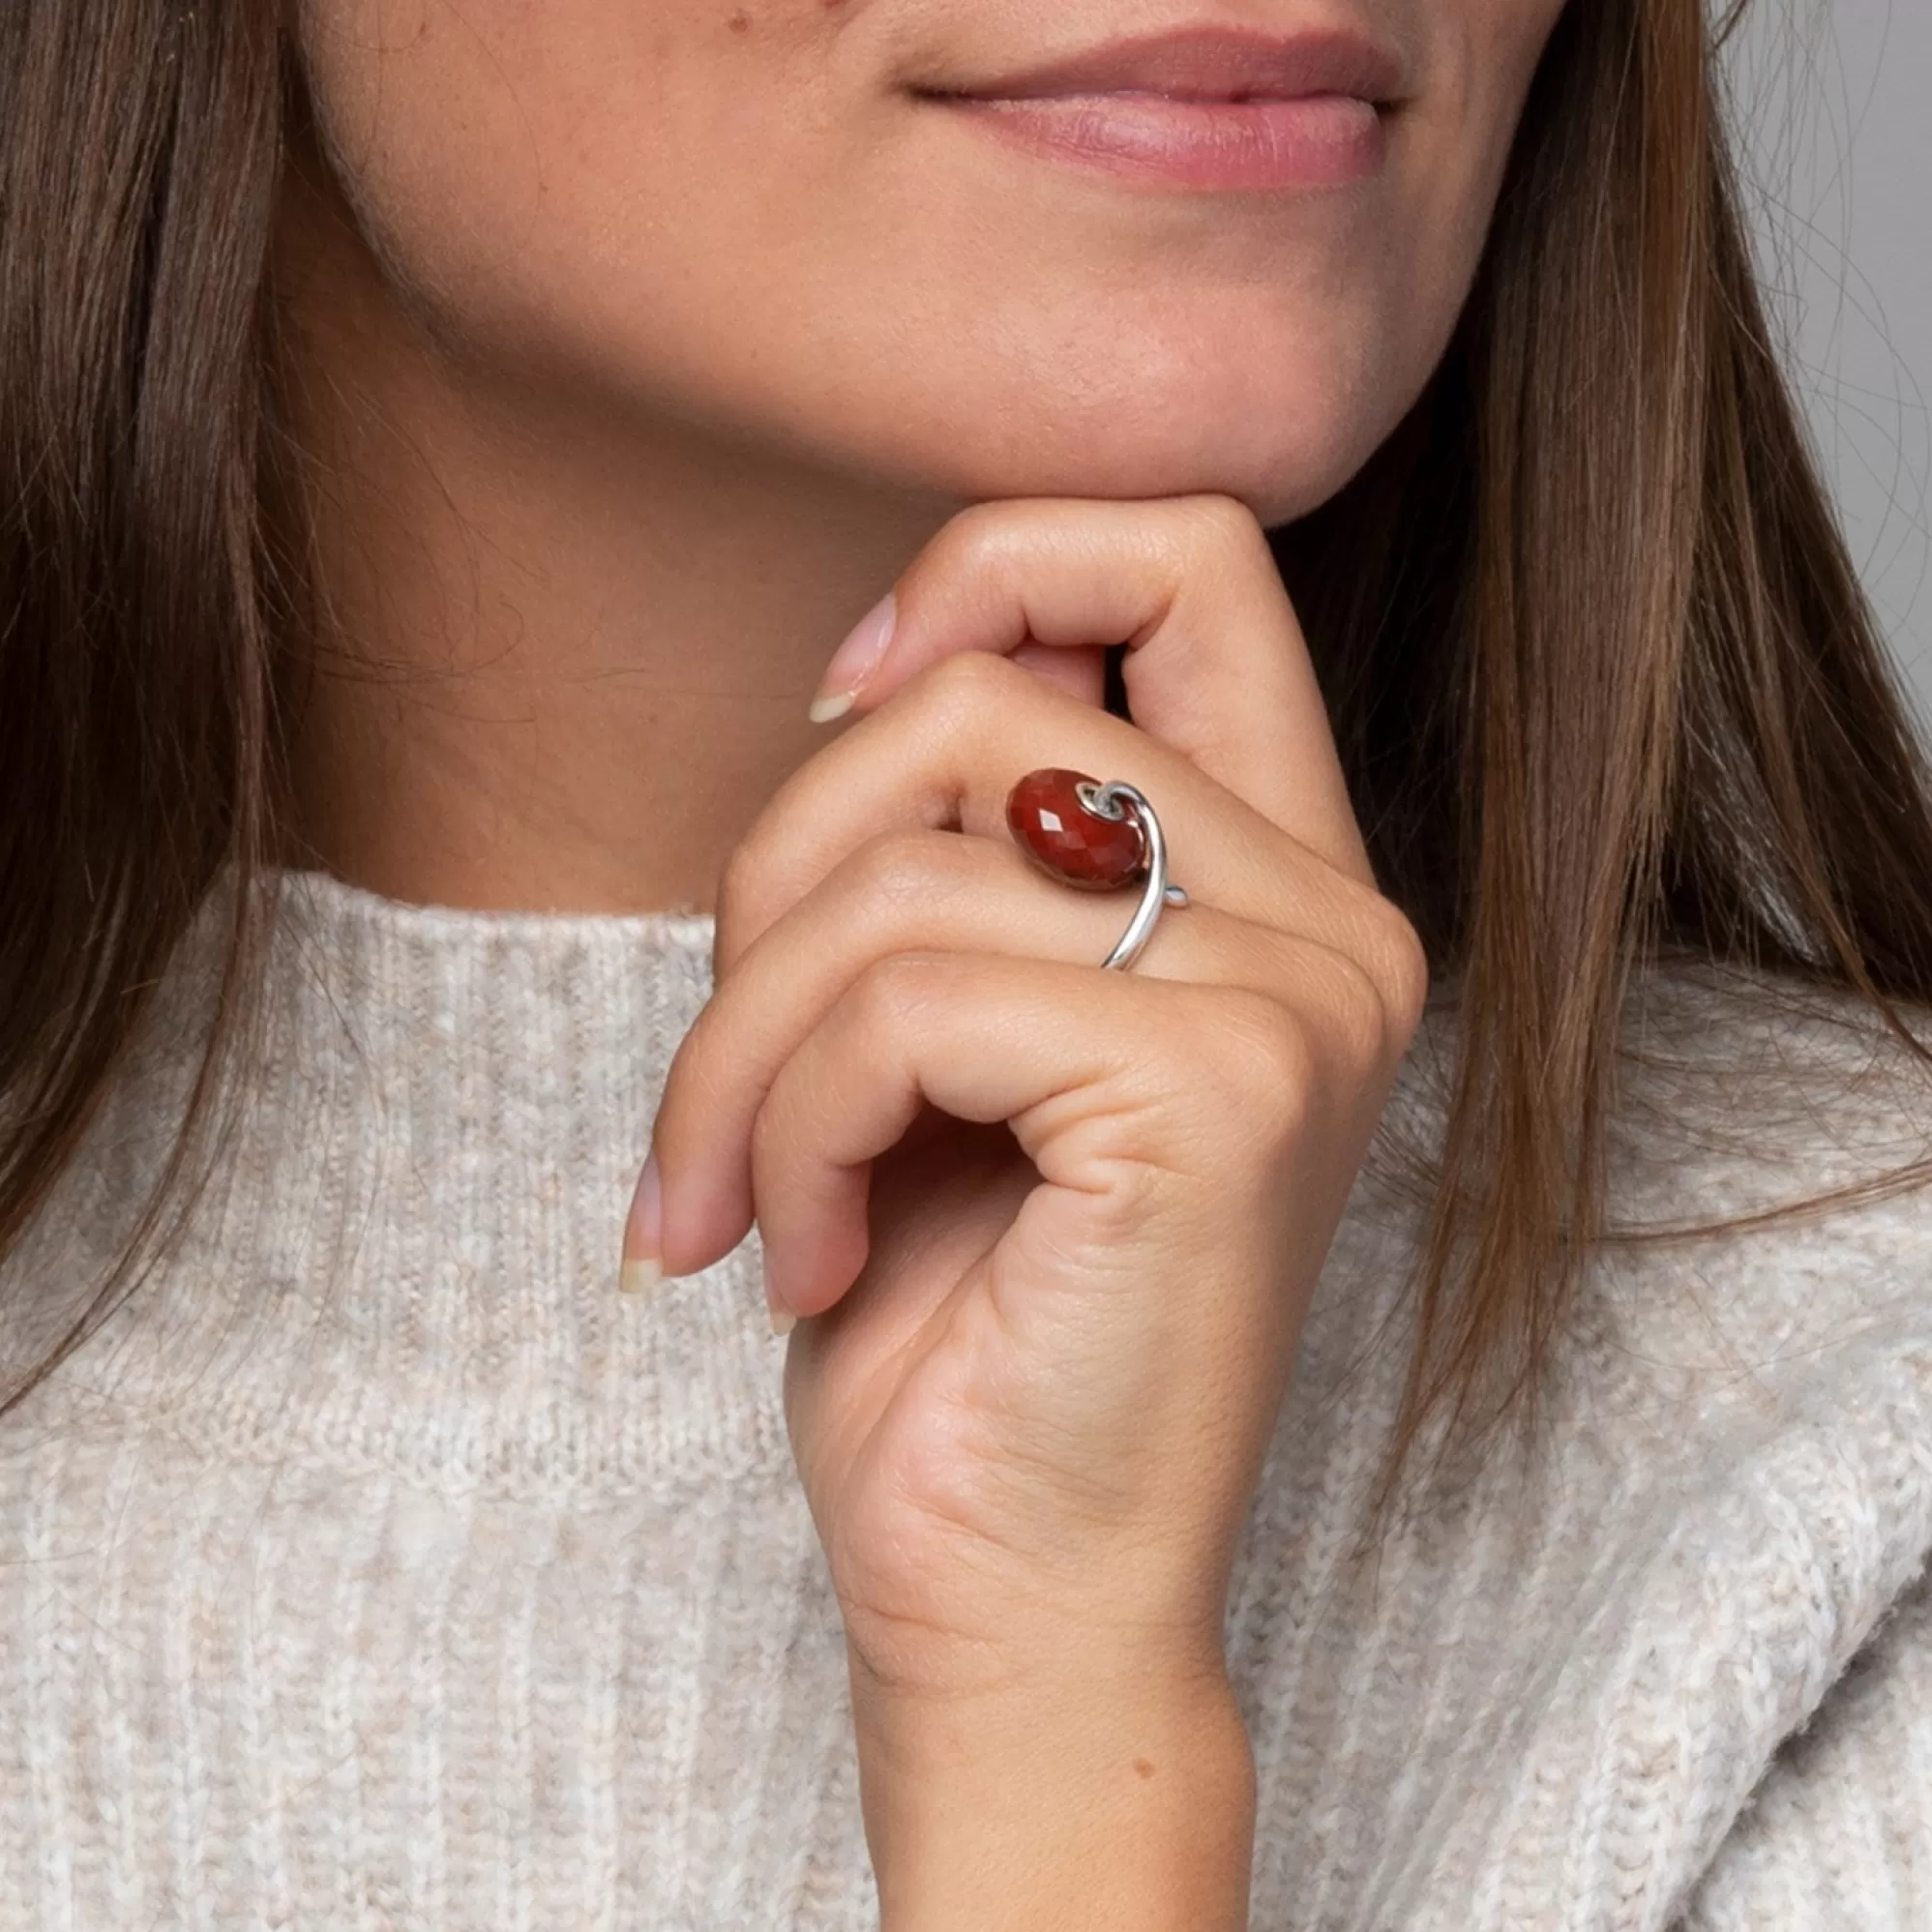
pixel 1314 141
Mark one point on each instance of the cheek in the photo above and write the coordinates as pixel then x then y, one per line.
pixel 492 146
pixel 1454 147
pixel 1486 57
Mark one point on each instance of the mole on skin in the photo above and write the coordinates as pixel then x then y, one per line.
pixel 1144 1766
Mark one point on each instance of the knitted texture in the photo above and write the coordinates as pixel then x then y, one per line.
pixel 377 1564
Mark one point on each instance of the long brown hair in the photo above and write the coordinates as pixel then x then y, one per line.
pixel 139 155
pixel 1598 665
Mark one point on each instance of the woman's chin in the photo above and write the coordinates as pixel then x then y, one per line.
pixel 1282 452
pixel 1276 485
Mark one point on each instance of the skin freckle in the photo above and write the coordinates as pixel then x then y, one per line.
pixel 1143 1766
pixel 740 23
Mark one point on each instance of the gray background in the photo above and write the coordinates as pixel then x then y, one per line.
pixel 1831 101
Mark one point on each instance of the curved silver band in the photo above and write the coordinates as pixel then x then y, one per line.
pixel 1115 801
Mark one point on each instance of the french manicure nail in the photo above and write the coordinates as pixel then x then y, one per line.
pixel 643 1263
pixel 854 660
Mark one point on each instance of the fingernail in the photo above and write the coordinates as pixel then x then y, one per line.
pixel 854 660
pixel 782 1320
pixel 643 1266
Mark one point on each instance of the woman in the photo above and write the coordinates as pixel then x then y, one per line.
pixel 445 446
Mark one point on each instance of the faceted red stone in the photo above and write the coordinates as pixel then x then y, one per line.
pixel 1065 840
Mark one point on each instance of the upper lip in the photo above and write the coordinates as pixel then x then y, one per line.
pixel 1212 64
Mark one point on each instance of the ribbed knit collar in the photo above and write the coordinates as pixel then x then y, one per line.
pixel 408 1256
pixel 409 1252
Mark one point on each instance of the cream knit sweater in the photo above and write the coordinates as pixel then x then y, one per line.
pixel 380 1565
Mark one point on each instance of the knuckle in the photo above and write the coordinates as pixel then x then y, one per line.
pixel 1404 972
pixel 963 688
pixel 1222 522
pixel 892 993
pixel 978 538
pixel 959 701
pixel 1396 962
pixel 902 872
pixel 1264 1064
pixel 1356 1019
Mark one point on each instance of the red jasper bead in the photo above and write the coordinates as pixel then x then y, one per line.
pixel 1066 841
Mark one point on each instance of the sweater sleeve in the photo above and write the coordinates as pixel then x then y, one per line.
pixel 1837 1836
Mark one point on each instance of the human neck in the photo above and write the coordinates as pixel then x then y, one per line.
pixel 564 657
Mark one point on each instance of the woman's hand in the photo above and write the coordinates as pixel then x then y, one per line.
pixel 1053 1229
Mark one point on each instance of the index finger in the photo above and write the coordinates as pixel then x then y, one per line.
pixel 1216 666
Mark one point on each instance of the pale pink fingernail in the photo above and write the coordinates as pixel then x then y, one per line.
pixel 643 1262
pixel 854 660
pixel 782 1320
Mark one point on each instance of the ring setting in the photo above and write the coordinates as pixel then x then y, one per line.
pixel 1096 837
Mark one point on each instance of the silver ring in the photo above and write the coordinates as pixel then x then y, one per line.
pixel 1116 799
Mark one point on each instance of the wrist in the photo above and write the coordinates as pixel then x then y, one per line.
pixel 1123 1802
